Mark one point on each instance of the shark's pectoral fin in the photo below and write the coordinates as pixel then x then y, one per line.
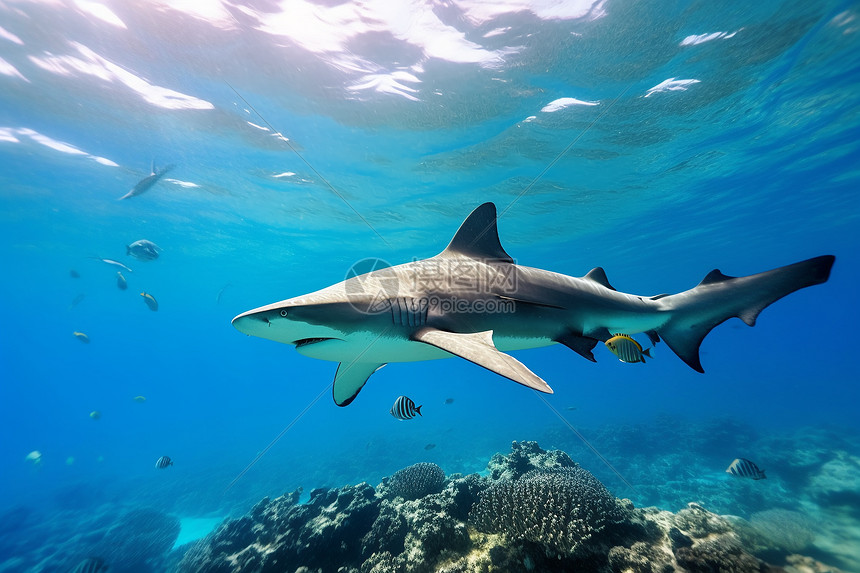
pixel 350 379
pixel 479 348
pixel 582 345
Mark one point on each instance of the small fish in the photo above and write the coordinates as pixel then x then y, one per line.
pixel 91 565
pixel 82 337
pixel 70 460
pixel 449 400
pixel 114 263
pixel 74 274
pixel 139 399
pixel 627 349
pixel 429 446
pixel 143 250
pixel 744 468
pixel 571 408
pixel 163 462
pixel 121 283
pixel 150 301
pixel 147 182
pixel 404 409
pixel 96 415
pixel 35 456
pixel 77 300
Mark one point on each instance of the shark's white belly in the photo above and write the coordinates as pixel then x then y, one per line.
pixel 370 347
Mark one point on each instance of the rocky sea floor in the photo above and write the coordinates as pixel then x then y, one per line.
pixel 531 509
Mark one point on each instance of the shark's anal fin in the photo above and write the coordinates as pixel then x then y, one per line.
pixel 350 379
pixel 479 349
pixel 582 345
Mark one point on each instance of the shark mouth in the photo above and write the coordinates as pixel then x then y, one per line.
pixel 308 341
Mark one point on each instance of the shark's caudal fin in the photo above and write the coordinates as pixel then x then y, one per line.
pixel 719 297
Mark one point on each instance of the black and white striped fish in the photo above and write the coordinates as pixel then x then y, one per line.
pixel 91 565
pixel 627 349
pixel 744 468
pixel 163 462
pixel 404 409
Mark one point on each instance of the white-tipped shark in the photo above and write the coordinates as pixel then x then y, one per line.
pixel 473 301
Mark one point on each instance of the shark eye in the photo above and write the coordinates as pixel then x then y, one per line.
pixel 283 313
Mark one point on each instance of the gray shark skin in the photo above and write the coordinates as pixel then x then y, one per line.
pixel 473 301
pixel 147 182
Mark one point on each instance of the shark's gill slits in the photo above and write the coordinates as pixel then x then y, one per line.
pixel 409 311
pixel 308 341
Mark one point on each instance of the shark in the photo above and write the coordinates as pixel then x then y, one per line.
pixel 475 302
pixel 147 182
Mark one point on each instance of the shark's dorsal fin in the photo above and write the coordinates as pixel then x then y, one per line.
pixel 478 237
pixel 598 275
pixel 715 276
pixel 478 348
pixel 350 379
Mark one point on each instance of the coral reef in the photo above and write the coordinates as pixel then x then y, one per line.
pixel 280 535
pixel 525 457
pixel 415 481
pixel 561 508
pixel 536 510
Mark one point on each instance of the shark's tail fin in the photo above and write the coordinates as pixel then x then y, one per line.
pixel 719 297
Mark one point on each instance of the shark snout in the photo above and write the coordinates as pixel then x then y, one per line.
pixel 250 323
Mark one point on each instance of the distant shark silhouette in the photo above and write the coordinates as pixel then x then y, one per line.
pixel 147 182
pixel 473 301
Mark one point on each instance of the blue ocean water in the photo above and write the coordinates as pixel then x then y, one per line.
pixel 659 141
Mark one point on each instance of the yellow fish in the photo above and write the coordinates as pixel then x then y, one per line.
pixel 627 349
pixel 150 301
pixel 82 337
pixel 140 399
pixel 95 414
